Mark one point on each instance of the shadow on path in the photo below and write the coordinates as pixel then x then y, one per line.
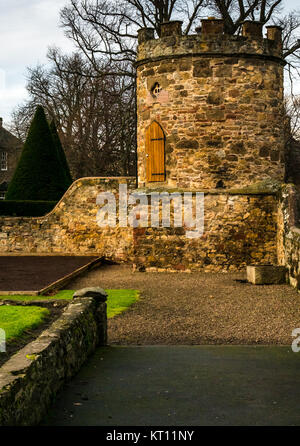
pixel 183 386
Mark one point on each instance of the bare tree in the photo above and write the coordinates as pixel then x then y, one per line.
pixel 94 114
pixel 292 117
pixel 108 28
pixel 291 47
pixel 292 139
pixel 234 12
pixel 92 94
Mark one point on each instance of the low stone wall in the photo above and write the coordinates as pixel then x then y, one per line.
pixel 71 227
pixel 289 233
pixel 240 228
pixel 30 379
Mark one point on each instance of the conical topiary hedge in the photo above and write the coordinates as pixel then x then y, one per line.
pixel 61 153
pixel 39 174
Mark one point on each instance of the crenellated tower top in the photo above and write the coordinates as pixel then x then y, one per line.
pixel 210 40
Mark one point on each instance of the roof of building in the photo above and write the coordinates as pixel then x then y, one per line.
pixel 7 139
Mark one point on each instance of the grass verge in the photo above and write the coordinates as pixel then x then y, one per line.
pixel 61 295
pixel 14 320
pixel 117 300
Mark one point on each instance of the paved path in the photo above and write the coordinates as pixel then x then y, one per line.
pixel 183 385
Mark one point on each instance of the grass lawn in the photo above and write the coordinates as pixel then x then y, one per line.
pixel 117 300
pixel 14 320
pixel 61 295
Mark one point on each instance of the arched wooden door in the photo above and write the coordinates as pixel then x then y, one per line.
pixel 155 153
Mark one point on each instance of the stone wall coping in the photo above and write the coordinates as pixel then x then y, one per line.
pixel 17 364
pixel 225 36
pixel 37 362
pixel 148 191
pixel 74 186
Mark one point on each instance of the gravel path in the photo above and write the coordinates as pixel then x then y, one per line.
pixel 198 308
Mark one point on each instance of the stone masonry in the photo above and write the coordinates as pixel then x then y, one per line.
pixel 32 377
pixel 288 240
pixel 71 227
pixel 219 105
pixel 238 228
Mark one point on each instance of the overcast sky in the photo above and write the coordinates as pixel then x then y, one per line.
pixel 27 29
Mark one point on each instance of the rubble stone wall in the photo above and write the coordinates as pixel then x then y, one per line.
pixel 288 246
pixel 220 107
pixel 30 379
pixel 71 227
pixel 238 230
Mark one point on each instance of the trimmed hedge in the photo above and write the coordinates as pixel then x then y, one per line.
pixel 25 208
pixel 61 153
pixel 39 174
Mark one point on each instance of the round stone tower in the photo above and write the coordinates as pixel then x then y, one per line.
pixel 210 107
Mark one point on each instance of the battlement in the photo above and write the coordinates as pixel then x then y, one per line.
pixel 210 40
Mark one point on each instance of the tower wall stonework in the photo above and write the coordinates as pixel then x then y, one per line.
pixel 220 105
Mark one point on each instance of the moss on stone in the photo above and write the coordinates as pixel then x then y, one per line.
pixel 268 186
pixel 32 357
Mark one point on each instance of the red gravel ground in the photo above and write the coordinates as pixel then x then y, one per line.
pixel 198 308
pixel 32 273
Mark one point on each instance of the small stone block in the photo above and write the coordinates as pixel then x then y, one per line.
pixel 274 33
pixel 266 274
pixel 252 29
pixel 172 28
pixel 212 26
pixel 145 34
pixel 96 292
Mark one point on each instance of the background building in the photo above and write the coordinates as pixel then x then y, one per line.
pixel 10 151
